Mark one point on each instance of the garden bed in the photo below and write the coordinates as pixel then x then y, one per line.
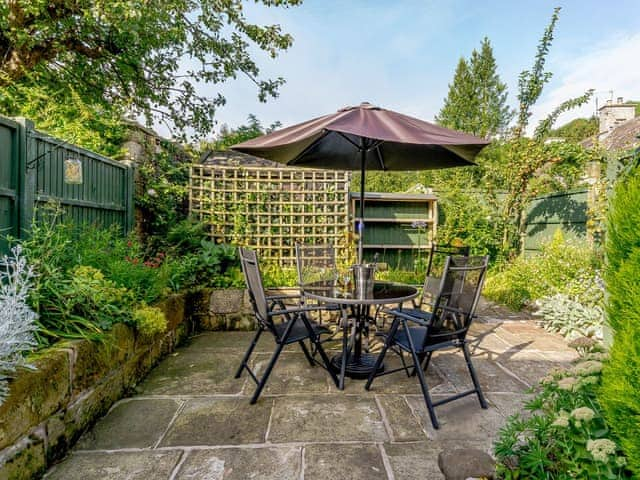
pixel 74 383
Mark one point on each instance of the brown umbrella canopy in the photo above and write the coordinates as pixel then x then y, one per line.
pixel 384 139
pixel 366 138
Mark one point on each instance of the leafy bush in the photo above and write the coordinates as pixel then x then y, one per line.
pixel 17 319
pixel 620 394
pixel 561 267
pixel 570 318
pixel 123 261
pixel 149 320
pixel 213 265
pixel 566 434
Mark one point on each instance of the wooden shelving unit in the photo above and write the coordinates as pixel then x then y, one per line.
pixel 397 225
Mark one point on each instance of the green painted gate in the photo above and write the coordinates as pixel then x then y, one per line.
pixel 32 173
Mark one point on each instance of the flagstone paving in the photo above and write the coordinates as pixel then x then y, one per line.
pixel 190 419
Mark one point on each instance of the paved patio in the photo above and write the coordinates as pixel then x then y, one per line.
pixel 190 419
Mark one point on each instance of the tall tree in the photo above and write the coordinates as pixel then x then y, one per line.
pixel 493 114
pixel 144 56
pixel 460 106
pixel 477 99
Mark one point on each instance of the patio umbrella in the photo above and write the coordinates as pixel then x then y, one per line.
pixel 364 138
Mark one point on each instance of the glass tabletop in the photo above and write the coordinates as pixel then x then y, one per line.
pixel 378 293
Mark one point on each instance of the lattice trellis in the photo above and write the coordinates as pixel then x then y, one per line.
pixel 271 209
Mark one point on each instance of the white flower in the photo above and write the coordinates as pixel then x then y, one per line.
pixel 588 367
pixel 583 413
pixel 560 422
pixel 152 192
pixel 601 448
pixel 567 383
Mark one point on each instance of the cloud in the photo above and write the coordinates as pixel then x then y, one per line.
pixel 609 66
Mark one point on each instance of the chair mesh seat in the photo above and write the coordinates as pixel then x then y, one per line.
pixel 299 331
pixel 417 335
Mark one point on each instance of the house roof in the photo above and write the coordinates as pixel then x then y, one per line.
pixel 229 158
pixel 623 137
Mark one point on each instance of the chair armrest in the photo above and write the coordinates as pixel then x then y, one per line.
pixel 289 311
pixel 406 316
pixel 283 297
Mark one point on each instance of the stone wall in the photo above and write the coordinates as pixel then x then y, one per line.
pixel 75 383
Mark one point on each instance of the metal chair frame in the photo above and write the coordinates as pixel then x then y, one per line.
pixel 296 327
pixel 438 249
pixel 444 327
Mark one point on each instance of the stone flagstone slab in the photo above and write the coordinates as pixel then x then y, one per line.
pixel 326 418
pixel 221 421
pixel 404 425
pixel 460 420
pixel 236 341
pixel 131 424
pixel 292 374
pixel 414 461
pixel 242 464
pixel 116 465
pixel 492 378
pixel 194 372
pixel 343 462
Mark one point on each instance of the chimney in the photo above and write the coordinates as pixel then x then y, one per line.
pixel 612 115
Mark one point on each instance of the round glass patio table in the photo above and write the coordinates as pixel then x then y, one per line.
pixel 359 364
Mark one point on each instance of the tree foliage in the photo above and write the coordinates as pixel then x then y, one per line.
pixel 477 98
pixel 146 57
pixel 231 136
pixel 577 129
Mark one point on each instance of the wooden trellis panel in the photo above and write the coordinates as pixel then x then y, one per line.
pixel 270 209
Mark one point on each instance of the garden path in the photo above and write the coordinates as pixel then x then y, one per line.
pixel 190 419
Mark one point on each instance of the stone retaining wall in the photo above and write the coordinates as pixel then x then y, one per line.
pixel 74 384
pixel 227 309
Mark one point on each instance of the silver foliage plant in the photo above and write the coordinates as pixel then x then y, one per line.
pixel 562 314
pixel 17 319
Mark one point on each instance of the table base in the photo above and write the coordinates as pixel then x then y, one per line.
pixel 357 368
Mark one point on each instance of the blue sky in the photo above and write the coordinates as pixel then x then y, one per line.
pixel 402 54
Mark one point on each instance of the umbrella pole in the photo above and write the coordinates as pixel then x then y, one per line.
pixel 363 154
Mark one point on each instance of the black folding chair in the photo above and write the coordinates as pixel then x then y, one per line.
pixel 316 263
pixel 431 281
pixel 420 332
pixel 294 328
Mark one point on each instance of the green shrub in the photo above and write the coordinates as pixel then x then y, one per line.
pixel 566 435
pixel 122 260
pixel 621 383
pixel 149 320
pixel 560 267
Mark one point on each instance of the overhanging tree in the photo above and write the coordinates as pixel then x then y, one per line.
pixel 146 57
pixel 531 164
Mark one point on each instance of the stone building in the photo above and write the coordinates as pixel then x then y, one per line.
pixel 613 115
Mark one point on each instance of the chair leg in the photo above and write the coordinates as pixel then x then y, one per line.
pixel 305 350
pixel 325 359
pixel 427 360
pixel 421 357
pixel 345 352
pixel 474 377
pixel 267 372
pixel 245 359
pixel 376 367
pixel 425 390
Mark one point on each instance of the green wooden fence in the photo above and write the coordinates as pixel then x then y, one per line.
pixel 566 211
pixel 32 173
